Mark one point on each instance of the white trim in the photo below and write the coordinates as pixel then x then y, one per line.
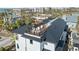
pixel 49 23
pixel 32 35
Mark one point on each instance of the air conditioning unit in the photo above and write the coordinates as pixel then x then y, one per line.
pixel 75 49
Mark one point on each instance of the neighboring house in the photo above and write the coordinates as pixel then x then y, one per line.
pixel 37 10
pixel 75 38
pixel 71 20
pixel 46 40
pixel 16 12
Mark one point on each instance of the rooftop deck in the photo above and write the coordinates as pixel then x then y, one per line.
pixel 38 30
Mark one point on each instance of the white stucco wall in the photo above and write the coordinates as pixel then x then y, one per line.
pixel 71 25
pixel 21 43
pixel 33 47
pixel 49 46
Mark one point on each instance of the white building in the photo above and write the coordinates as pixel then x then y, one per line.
pixel 71 20
pixel 47 41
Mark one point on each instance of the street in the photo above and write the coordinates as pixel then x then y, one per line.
pixel 6 42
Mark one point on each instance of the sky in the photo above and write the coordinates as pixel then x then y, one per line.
pixel 37 3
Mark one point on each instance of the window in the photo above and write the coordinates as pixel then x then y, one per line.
pixel 72 25
pixel 76 50
pixel 66 27
pixel 44 39
pixel 43 49
pixel 17 46
pixel 31 41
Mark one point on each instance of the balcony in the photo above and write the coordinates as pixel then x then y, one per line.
pixel 38 31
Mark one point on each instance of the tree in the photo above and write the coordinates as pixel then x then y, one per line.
pixel 1 23
pixel 28 21
pixel 14 37
pixel 9 27
pixel 18 23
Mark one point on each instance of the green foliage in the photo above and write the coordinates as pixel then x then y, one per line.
pixel 28 20
pixel 2 49
pixel 15 25
pixel 1 23
pixel 14 37
pixel 9 27
pixel 7 48
pixel 18 23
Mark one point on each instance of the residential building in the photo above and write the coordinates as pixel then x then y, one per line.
pixel 75 41
pixel 44 38
pixel 16 12
pixel 71 20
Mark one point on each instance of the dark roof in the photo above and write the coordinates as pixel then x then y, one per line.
pixel 54 32
pixel 20 30
pixel 46 21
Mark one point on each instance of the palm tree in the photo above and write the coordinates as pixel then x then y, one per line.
pixel 2 20
pixel 8 17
